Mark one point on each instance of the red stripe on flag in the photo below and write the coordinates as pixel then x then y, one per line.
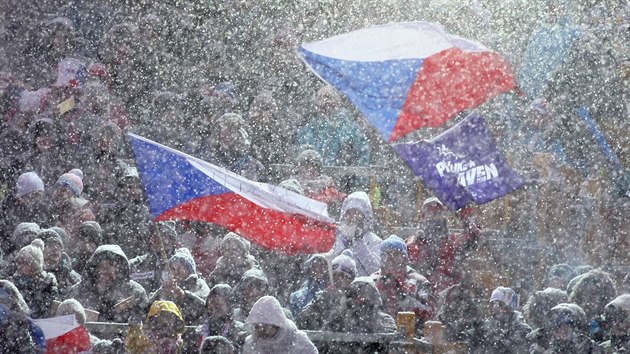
pixel 450 82
pixel 288 233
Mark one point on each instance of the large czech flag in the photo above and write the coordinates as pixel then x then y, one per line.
pixel 182 187
pixel 404 76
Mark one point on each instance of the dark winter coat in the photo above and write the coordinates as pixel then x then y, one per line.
pixel 147 270
pixel 192 305
pixel 495 337
pixel 38 291
pixel 86 291
pixel 65 275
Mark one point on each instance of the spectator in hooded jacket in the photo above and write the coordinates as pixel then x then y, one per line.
pixel 150 269
pixel 126 219
pixel 318 311
pixel 401 287
pixel 253 285
pixel 504 331
pixel 57 261
pixel 235 260
pixel 361 311
pixel 19 334
pixel 184 287
pixel 89 237
pixel 107 287
pixel 592 291
pixel 220 320
pixel 536 311
pixel 569 331
pixel 273 332
pixel 316 269
pixel 617 316
pixel 354 233
pixel 434 253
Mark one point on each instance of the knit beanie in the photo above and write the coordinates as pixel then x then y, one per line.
pixel 27 183
pixel 25 233
pixel 72 181
pixel 72 307
pixel 91 231
pixel 344 264
pixel 394 242
pixel 183 256
pixel 293 185
pixel 505 295
pixel 33 254
pixel 167 229
pixel 49 236
pixel 241 243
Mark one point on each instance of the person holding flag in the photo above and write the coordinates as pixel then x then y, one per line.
pixel 434 251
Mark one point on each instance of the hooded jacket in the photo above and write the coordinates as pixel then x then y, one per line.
pixel 496 337
pixel 300 298
pixel 195 292
pixel 579 341
pixel 618 343
pixel 364 318
pixel 289 339
pixel 85 292
pixel 366 249
pixel 229 271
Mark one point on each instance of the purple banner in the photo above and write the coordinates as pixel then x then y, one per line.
pixel 462 165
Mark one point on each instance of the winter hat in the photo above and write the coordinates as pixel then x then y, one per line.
pixel 310 157
pixel 25 233
pixel 216 344
pixel 71 72
pixel 33 254
pixel 540 105
pixel 77 172
pixel 570 314
pixel 11 297
pixel 29 182
pixel 394 242
pixel 50 235
pixel 344 264
pixel 505 295
pixel 72 307
pixel 72 181
pixel 223 291
pixel 293 185
pixel 431 200
pixel 61 232
pixel 162 307
pixel 183 256
pixel 167 229
pixel 91 231
pixel 240 242
pixel 561 270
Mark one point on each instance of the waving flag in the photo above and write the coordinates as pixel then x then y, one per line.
pixel 462 165
pixel 182 187
pixel 405 76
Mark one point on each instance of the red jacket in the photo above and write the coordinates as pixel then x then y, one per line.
pixel 406 292
pixel 441 274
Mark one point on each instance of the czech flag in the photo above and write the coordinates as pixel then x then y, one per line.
pixel 182 187
pixel 404 76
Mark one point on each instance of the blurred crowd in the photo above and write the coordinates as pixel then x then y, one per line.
pixel 220 80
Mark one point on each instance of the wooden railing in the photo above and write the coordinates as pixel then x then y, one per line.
pixel 401 342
